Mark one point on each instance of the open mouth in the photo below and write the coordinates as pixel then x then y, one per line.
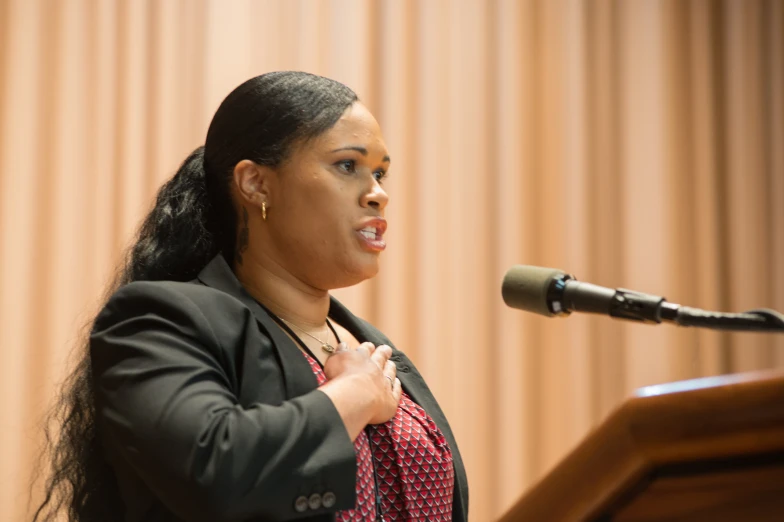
pixel 371 233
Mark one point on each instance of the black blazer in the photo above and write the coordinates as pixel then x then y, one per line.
pixel 207 410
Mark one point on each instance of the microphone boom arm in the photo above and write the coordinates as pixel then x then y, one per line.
pixel 565 295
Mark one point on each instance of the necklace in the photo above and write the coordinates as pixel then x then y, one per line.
pixel 326 346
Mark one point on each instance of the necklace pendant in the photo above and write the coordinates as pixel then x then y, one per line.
pixel 328 348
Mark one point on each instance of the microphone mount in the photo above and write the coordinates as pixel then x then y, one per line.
pixel 565 295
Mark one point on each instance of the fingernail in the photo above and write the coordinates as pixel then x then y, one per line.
pixel 342 346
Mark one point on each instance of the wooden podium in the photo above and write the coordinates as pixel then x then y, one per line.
pixel 708 449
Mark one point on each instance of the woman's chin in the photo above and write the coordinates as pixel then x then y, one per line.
pixel 357 273
pixel 371 271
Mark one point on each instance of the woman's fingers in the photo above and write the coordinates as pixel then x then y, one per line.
pixel 397 390
pixel 367 348
pixel 390 370
pixel 390 373
pixel 381 355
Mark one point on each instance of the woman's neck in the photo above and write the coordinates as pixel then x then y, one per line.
pixel 281 292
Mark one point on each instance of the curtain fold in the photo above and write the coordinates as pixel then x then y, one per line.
pixel 635 144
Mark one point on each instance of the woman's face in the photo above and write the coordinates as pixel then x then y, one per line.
pixel 325 217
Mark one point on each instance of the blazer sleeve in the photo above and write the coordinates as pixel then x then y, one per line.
pixel 166 407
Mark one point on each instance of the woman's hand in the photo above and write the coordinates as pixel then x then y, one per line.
pixel 363 385
pixel 380 373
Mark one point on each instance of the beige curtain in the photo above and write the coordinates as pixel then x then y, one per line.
pixel 636 144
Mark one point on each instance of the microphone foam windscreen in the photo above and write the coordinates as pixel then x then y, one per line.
pixel 525 288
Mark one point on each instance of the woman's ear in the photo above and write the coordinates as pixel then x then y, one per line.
pixel 252 182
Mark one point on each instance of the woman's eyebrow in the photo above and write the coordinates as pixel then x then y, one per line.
pixel 361 150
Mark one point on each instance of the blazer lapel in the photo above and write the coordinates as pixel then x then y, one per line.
pixel 413 384
pixel 297 376
pixel 410 379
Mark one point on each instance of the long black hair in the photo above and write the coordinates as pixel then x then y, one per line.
pixel 193 220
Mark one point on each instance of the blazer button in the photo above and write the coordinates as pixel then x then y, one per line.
pixel 301 504
pixel 314 501
pixel 328 500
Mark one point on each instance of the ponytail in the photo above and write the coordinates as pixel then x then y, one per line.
pixel 177 237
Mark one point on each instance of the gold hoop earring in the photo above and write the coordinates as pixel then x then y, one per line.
pixel 264 210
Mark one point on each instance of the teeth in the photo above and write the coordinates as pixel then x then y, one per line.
pixel 369 232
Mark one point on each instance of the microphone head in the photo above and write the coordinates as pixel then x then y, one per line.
pixel 525 288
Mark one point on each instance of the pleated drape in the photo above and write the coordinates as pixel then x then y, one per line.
pixel 636 144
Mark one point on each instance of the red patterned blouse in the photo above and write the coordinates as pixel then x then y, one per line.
pixel 410 461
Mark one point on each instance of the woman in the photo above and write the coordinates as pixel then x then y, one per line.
pixel 221 380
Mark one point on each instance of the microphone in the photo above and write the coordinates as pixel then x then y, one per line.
pixel 552 292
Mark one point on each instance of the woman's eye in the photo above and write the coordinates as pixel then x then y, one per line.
pixel 380 175
pixel 347 165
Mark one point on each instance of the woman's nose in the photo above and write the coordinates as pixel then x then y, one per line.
pixel 376 197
